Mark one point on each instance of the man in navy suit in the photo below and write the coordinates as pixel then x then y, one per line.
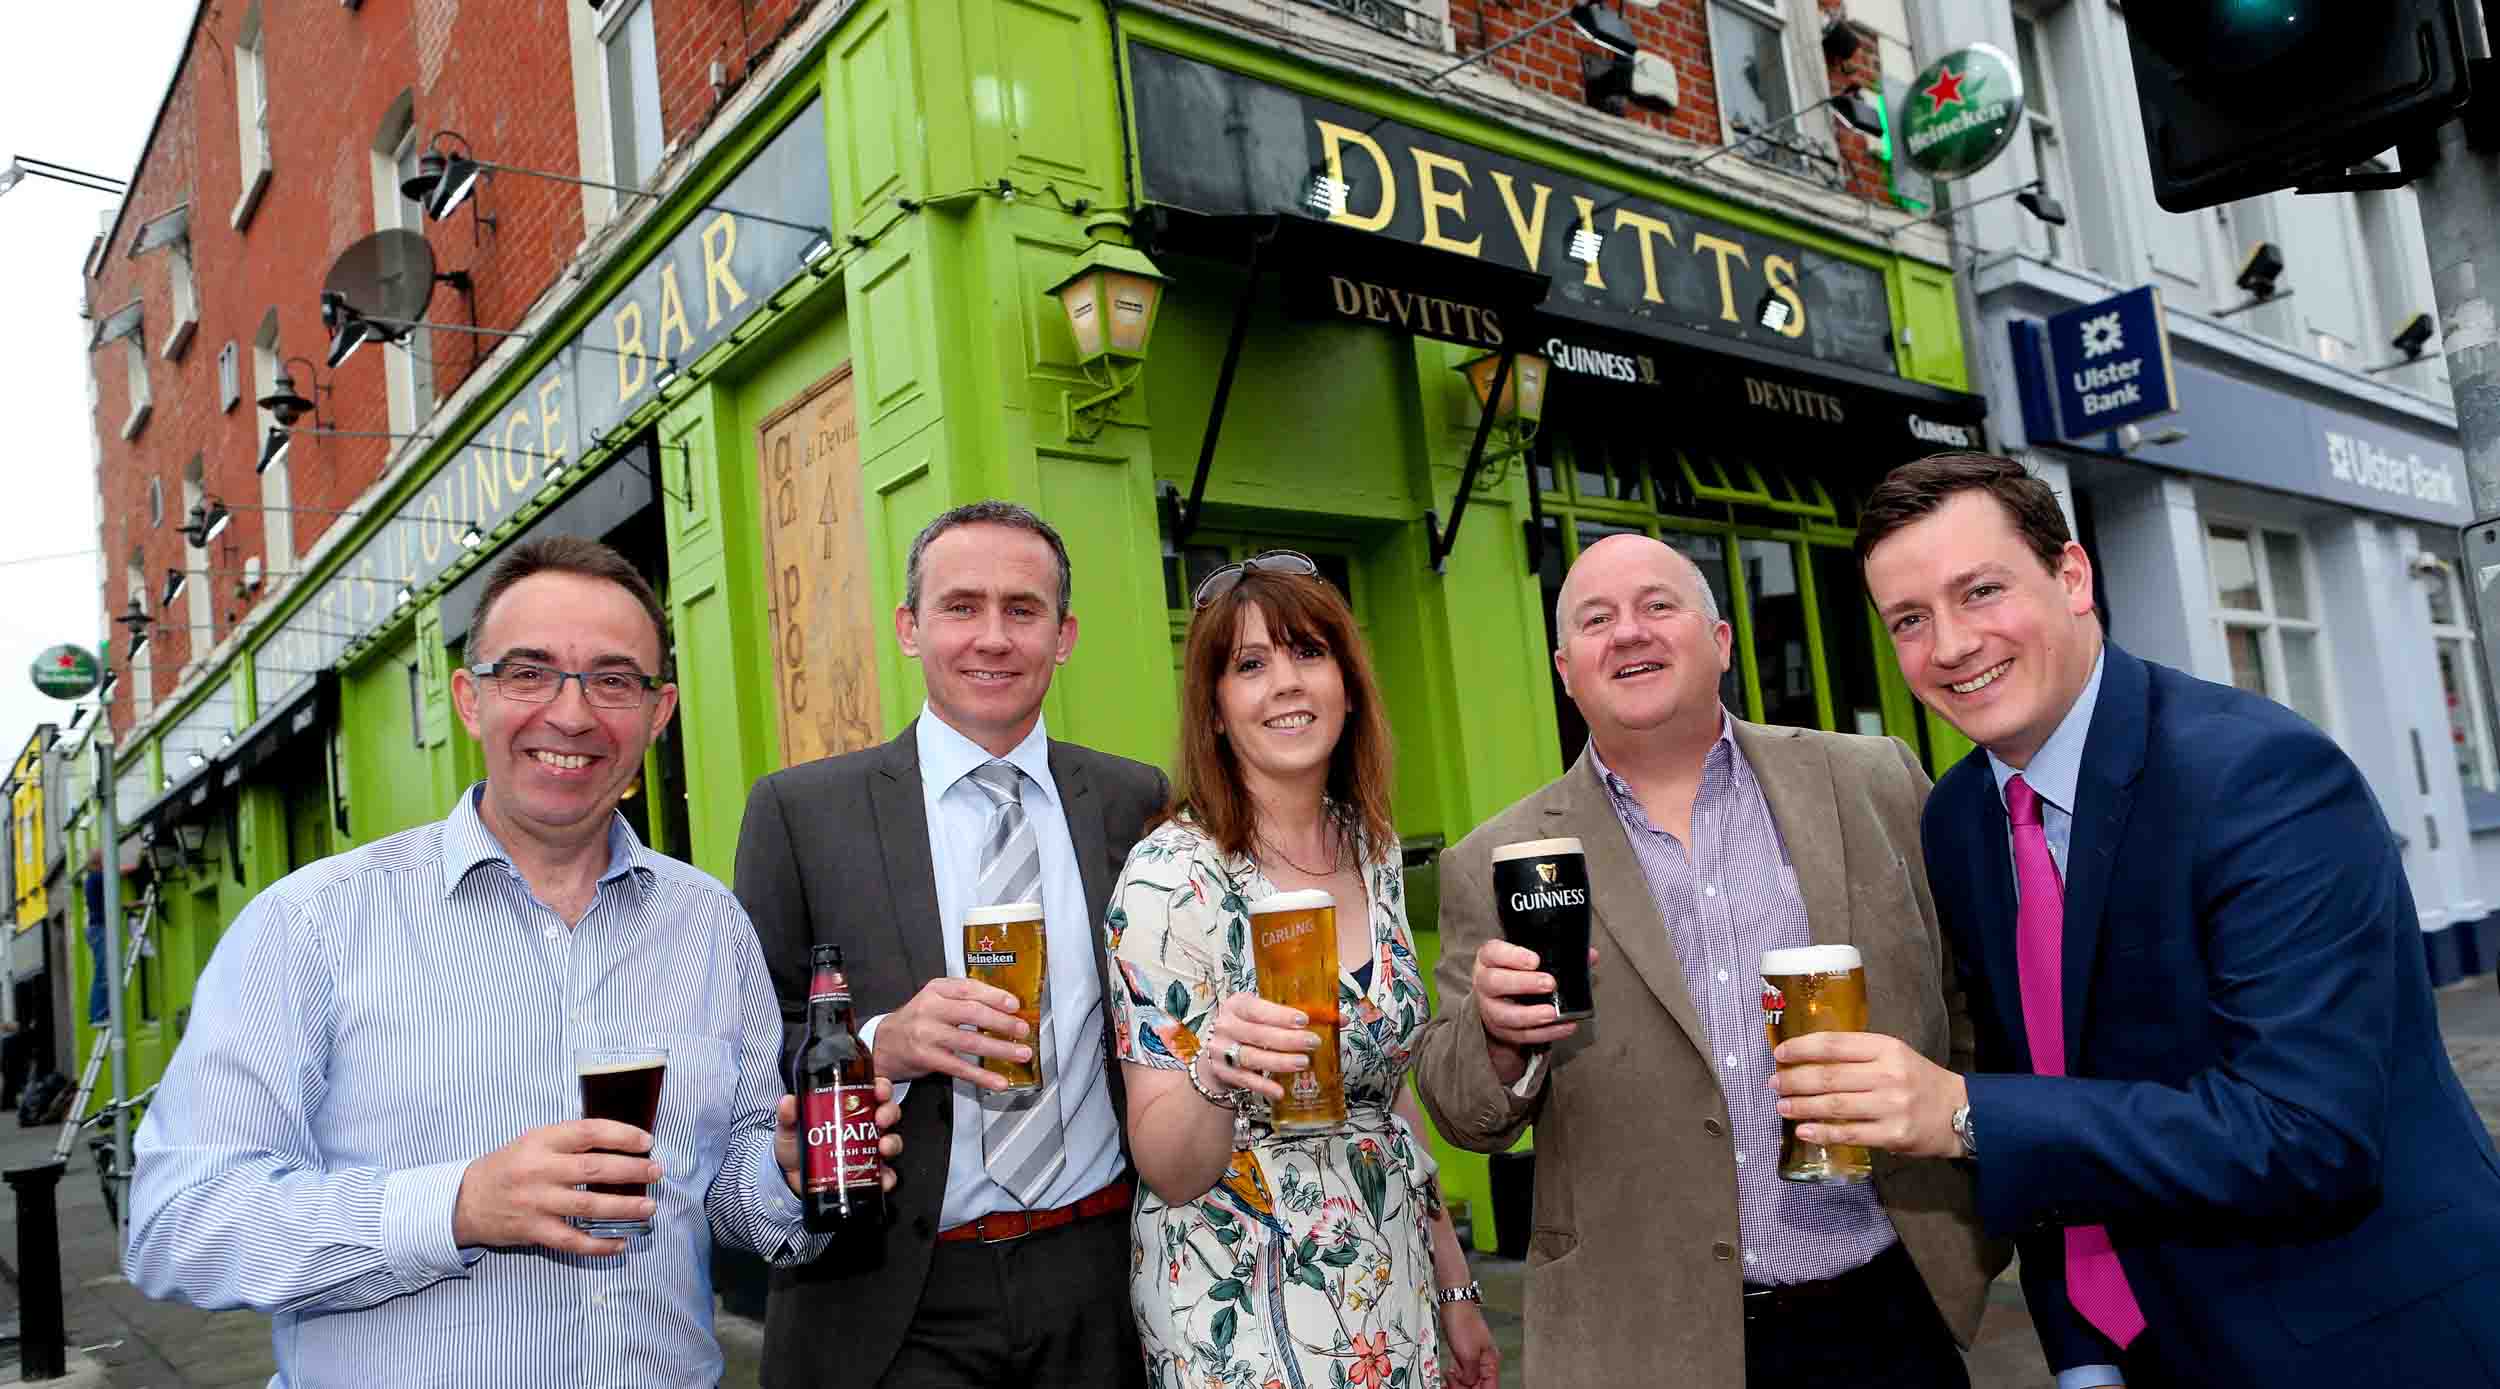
pixel 2212 1106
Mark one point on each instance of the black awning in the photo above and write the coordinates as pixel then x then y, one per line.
pixel 184 800
pixel 314 706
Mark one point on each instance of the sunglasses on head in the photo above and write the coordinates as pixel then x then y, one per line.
pixel 1226 579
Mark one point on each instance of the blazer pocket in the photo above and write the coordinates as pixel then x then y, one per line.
pixel 1548 1245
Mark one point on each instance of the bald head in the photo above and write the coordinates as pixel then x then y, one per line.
pixel 1612 550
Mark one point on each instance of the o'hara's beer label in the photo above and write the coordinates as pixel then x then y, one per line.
pixel 1292 929
pixel 1774 1003
pixel 829 988
pixel 841 1138
pixel 985 954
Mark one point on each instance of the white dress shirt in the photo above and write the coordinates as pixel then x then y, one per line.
pixel 958 811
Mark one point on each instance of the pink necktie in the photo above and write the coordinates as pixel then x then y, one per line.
pixel 2094 1281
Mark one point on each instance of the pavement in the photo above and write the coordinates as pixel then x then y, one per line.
pixel 124 1341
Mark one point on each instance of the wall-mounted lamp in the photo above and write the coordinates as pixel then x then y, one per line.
pixel 1111 298
pixel 163 851
pixel 175 582
pixel 273 447
pixel 135 618
pixel 2260 274
pixel 2410 340
pixel 1510 391
pixel 209 520
pixel 192 835
pixel 1773 312
pixel 282 402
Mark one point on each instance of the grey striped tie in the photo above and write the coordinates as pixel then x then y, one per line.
pixel 1022 1143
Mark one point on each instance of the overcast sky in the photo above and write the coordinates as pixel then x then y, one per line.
pixel 63 99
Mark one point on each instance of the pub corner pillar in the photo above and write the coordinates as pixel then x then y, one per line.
pixel 979 152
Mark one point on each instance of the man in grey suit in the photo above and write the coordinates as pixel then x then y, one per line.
pixel 1007 1257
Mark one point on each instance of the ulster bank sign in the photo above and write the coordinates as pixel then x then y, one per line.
pixel 1219 144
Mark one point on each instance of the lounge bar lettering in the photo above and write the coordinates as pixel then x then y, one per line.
pixel 1656 265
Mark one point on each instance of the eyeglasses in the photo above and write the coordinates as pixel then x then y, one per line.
pixel 530 683
pixel 1226 579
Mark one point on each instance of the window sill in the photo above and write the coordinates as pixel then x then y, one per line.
pixel 138 420
pixel 179 340
pixel 254 184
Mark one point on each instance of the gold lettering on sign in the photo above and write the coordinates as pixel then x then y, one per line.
pixel 720 241
pixel 1781 276
pixel 1722 248
pixel 631 368
pixel 1348 294
pixel 1333 138
pixel 673 314
pixel 820 600
pixel 1588 223
pixel 551 419
pixel 1437 200
pixel 1647 227
pixel 1529 226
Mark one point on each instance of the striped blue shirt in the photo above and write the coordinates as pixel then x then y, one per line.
pixel 376 1020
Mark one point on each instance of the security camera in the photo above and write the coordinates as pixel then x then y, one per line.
pixel 2425 565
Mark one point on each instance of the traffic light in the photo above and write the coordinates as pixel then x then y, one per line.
pixel 2241 97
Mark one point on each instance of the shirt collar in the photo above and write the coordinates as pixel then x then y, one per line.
pixel 947 756
pixel 467 842
pixel 2057 767
pixel 1723 746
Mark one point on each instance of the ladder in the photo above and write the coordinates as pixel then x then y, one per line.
pixel 132 953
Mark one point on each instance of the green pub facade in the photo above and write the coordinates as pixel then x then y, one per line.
pixel 763 415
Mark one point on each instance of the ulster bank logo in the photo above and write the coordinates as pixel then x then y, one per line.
pixel 1545 873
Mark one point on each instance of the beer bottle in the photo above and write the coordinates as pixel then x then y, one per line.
pixel 839 1166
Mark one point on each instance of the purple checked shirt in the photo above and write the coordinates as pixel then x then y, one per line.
pixel 1726 898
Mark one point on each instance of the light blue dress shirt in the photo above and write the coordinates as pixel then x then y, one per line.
pixel 958 811
pixel 2055 772
pixel 374 1022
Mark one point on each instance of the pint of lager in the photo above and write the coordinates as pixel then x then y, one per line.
pixel 1003 949
pixel 1807 989
pixel 1293 938
pixel 622 1084
pixel 1541 897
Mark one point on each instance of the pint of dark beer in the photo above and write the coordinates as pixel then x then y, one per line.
pixel 1807 989
pixel 1541 897
pixel 622 1084
pixel 1293 938
pixel 1003 948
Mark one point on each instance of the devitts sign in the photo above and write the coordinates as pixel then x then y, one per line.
pixel 1221 144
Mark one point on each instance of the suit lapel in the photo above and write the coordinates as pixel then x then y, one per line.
pixel 1083 811
pixel 1987 846
pixel 2113 752
pixel 1796 781
pixel 902 825
pixel 1619 896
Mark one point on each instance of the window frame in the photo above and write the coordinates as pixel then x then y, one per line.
pixel 2460 635
pixel 612 27
pixel 251 95
pixel 142 401
pixel 2268 621
pixel 1775 15
pixel 276 487
pixel 2041 123
pixel 408 374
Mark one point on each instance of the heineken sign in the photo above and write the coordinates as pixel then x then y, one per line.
pixel 65 672
pixel 1961 112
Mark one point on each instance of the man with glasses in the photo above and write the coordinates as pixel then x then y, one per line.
pixel 1007 1261
pixel 368 1130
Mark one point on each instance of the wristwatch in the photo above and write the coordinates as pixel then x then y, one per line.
pixel 1470 1292
pixel 1962 1131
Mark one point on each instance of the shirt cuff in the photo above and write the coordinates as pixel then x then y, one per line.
pixel 868 1039
pixel 417 1207
pixel 780 1202
pixel 2089 1377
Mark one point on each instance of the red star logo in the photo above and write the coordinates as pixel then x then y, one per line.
pixel 68 661
pixel 1947 91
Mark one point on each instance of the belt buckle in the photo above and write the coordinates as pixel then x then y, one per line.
pixel 1024 1227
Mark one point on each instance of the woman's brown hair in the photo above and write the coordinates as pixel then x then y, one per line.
pixel 1298 608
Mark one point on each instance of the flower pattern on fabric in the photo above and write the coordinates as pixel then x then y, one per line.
pixel 1309 1265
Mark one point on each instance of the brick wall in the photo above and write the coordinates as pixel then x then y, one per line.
pixel 498 72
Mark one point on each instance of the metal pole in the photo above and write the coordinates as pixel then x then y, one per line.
pixel 109 821
pixel 42 1340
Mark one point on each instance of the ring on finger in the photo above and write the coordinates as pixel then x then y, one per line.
pixel 1232 1055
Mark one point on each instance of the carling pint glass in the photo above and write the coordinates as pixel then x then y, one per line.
pixel 1293 938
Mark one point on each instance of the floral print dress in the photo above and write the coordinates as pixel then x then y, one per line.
pixel 1309 1266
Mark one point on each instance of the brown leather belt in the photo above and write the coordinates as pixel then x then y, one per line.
pixel 1001 1226
pixel 1768 1300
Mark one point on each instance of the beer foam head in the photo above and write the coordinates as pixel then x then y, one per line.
pixel 1003 913
pixel 1536 848
pixel 1810 959
pixel 607 1067
pixel 1309 899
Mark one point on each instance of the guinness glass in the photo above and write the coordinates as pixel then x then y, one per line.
pixel 622 1084
pixel 1808 989
pixel 1293 938
pixel 1541 897
pixel 1003 948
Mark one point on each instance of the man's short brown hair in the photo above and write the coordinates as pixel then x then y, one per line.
pixel 570 554
pixel 1914 490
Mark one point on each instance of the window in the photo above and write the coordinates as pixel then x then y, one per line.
pixel 156 503
pixel 1417 21
pixel 2048 158
pixel 630 71
pixel 2461 681
pixel 135 358
pixel 408 374
pixel 277 522
pixel 251 110
pixel 229 378
pixel 1749 52
pixel 2262 600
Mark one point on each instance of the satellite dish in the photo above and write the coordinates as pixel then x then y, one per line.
pixel 387 276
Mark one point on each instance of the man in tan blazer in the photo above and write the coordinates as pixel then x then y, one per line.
pixel 1666 1249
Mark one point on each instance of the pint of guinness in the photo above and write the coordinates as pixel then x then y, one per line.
pixel 622 1084
pixel 1541 897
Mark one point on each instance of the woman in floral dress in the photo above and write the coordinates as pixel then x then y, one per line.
pixel 1261 1260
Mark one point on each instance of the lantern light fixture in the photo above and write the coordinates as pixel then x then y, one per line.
pixel 1111 297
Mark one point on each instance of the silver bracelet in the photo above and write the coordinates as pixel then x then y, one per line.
pixel 1470 1292
pixel 1214 1097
